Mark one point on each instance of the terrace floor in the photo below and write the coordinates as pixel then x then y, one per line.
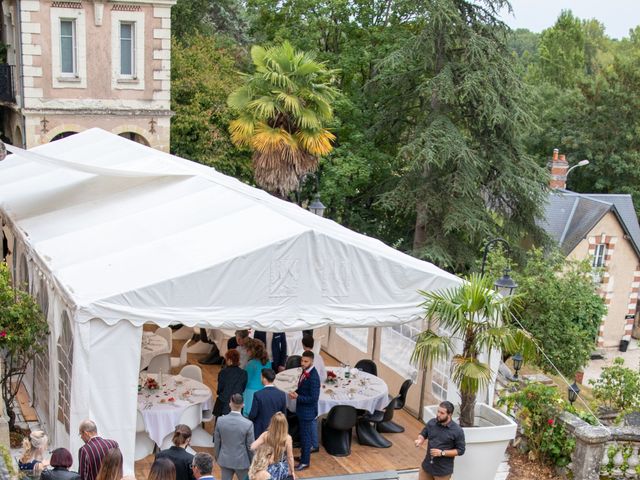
pixel 402 455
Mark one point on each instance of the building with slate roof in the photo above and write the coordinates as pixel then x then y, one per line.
pixel 604 228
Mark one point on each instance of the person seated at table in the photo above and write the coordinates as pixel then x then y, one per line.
pixel 260 463
pixel 231 379
pixel 178 453
pixel 278 438
pixel 33 450
pixel 267 402
pixel 61 460
pixel 258 360
pixel 276 344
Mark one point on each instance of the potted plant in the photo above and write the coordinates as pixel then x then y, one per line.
pixel 478 317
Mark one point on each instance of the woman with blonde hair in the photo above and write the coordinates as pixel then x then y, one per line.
pixel 259 360
pixel 260 463
pixel 34 449
pixel 277 437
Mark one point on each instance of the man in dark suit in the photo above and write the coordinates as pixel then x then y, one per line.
pixel 277 350
pixel 266 403
pixel 306 397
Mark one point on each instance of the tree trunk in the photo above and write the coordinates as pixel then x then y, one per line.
pixel 10 415
pixel 420 233
pixel 467 409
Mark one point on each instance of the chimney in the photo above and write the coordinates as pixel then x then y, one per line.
pixel 559 167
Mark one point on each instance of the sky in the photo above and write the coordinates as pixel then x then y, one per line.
pixel 618 16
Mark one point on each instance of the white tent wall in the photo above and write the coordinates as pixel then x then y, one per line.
pixel 105 382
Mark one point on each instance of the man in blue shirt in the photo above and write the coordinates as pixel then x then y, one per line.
pixel 445 442
pixel 202 466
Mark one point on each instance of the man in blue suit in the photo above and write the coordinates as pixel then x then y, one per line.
pixel 277 350
pixel 266 403
pixel 306 397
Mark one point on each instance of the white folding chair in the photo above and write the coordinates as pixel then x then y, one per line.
pixel 192 371
pixel 177 362
pixel 144 445
pixel 159 363
pixel 183 333
pixel 167 334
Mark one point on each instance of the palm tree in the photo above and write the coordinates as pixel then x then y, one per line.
pixel 480 317
pixel 283 108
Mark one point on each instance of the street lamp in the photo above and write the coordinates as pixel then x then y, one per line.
pixel 572 392
pixel 581 163
pixel 316 206
pixel 505 284
pixel 517 364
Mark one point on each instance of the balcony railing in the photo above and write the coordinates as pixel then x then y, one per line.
pixel 7 93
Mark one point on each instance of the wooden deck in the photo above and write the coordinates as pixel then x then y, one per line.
pixel 402 455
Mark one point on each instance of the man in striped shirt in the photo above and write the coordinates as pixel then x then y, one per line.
pixel 95 448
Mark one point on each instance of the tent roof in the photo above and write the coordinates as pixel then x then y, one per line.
pixel 127 232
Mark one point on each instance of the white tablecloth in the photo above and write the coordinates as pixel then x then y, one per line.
pixel 152 346
pixel 365 391
pixel 161 415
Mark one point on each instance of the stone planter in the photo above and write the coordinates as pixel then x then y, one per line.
pixel 486 443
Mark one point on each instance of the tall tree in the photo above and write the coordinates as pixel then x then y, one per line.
pixel 283 110
pixel 455 104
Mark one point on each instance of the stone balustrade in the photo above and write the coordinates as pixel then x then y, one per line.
pixel 603 452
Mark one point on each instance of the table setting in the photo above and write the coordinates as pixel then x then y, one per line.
pixel 152 346
pixel 343 386
pixel 163 398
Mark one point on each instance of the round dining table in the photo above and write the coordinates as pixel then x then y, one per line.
pixel 360 390
pixel 152 346
pixel 161 409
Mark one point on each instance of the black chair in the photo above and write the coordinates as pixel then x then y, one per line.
pixel 366 427
pixel 368 366
pixel 387 425
pixel 401 399
pixel 293 361
pixel 337 430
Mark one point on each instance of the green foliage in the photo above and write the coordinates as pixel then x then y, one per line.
pixel 23 332
pixel 203 75
pixel 282 112
pixel 224 18
pixel 537 407
pixel 458 111
pixel 618 387
pixel 474 313
pixel 560 308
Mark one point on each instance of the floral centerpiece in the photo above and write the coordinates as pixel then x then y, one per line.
pixel 151 384
pixel 331 377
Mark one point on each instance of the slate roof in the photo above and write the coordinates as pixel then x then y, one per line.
pixel 570 216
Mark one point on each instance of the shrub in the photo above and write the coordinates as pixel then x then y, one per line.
pixel 537 408
pixel 618 387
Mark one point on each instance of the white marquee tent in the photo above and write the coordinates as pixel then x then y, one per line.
pixel 111 234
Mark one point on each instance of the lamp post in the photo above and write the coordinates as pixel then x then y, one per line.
pixel 572 392
pixel 581 163
pixel 517 364
pixel 505 284
pixel 316 206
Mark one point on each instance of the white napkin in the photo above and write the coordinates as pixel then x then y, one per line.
pixel 199 392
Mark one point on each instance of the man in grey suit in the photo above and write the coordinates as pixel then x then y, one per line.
pixel 232 441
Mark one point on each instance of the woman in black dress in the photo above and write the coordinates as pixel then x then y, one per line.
pixel 231 379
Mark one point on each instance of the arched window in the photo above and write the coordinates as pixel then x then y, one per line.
pixel 65 362
pixel 135 137
pixel 41 362
pixel 62 135
pixel 23 273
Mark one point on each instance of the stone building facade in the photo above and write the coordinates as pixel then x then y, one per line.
pixel 77 64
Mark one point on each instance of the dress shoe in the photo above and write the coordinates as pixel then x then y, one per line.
pixel 315 450
pixel 301 466
pixel 212 358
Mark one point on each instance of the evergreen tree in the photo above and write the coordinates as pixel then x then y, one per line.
pixel 458 110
